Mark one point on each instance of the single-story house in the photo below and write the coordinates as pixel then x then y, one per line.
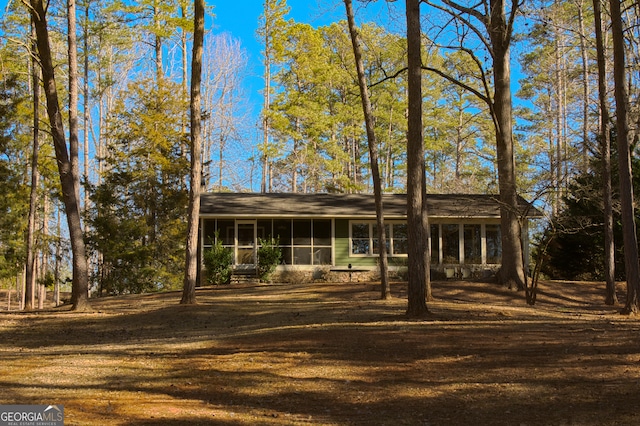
pixel 338 231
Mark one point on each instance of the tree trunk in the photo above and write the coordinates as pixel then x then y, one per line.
pixel 191 270
pixel 85 95
pixel 385 290
pixel 30 272
pixel 417 305
pixel 44 264
pixel 426 251
pixel 58 256
pixel 512 271
pixel 267 102
pixel 73 95
pixel 586 87
pixel 158 42
pixel 80 289
pixel 632 268
pixel 559 118
pixel 605 151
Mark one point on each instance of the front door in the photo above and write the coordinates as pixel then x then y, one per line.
pixel 246 244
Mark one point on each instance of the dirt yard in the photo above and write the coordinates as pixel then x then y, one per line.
pixel 330 354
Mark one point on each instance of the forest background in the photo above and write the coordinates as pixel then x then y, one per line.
pixel 134 122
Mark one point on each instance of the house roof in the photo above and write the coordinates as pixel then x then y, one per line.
pixel 255 205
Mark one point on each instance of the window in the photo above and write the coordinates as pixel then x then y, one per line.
pixel 360 238
pixel 374 238
pixel 364 239
pixel 473 244
pixel 400 244
pixel 494 244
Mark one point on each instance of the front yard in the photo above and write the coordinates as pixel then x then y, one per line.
pixel 330 354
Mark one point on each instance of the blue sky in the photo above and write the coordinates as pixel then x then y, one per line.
pixel 240 19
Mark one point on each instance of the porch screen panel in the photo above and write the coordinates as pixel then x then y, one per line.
pixel 473 244
pixel 226 232
pixel 287 255
pixel 264 229
pixel 450 244
pixel 435 244
pixel 208 232
pixel 245 234
pixel 322 256
pixel 302 232
pixel 302 242
pixel 322 242
pixel 282 231
pixel 494 244
pixel 322 232
pixel 301 255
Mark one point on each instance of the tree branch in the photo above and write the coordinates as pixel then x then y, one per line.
pixel 466 22
pixel 515 6
pixel 464 9
pixel 459 83
pixel 388 77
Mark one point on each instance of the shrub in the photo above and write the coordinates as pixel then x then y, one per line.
pixel 218 261
pixel 295 276
pixel 269 255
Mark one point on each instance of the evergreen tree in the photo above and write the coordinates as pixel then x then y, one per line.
pixel 140 206
pixel 13 188
pixel 576 250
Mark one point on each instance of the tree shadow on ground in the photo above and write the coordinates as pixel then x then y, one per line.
pixel 328 354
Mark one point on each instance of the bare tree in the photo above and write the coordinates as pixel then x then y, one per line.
pixel 488 23
pixel 223 69
pixel 385 291
pixel 191 269
pixel 69 184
